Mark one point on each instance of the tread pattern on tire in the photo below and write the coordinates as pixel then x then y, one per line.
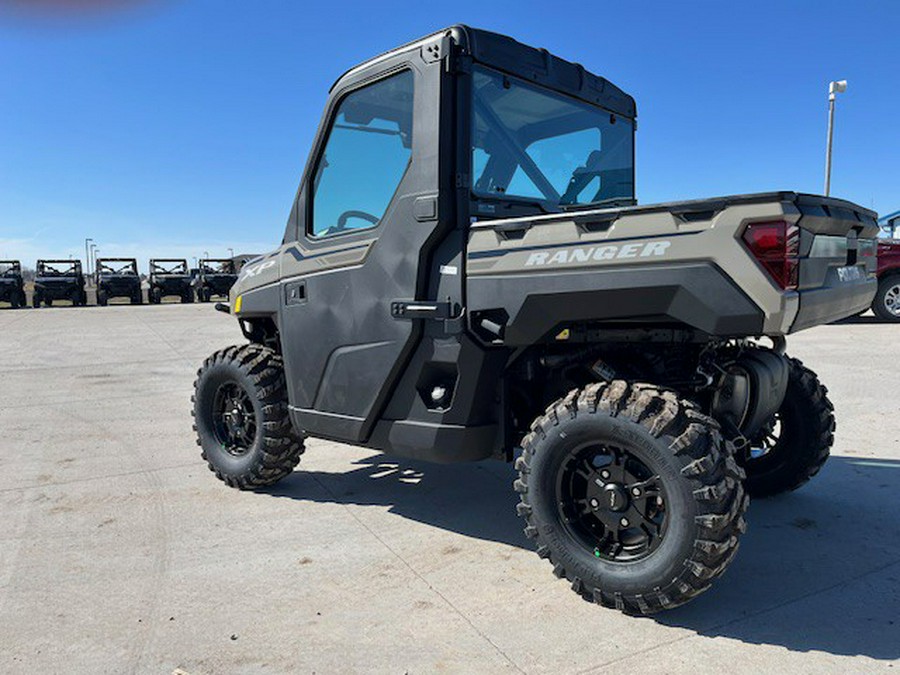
pixel 821 428
pixel 707 462
pixel 282 447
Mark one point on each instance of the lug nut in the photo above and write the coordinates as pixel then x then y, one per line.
pixel 605 474
pixel 636 492
pixel 624 522
pixel 594 503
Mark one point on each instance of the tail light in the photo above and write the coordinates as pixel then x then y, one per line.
pixel 867 248
pixel 776 245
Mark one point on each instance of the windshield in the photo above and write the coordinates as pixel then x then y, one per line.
pixel 535 144
pixel 116 268
pixel 58 268
pixel 178 267
pixel 213 266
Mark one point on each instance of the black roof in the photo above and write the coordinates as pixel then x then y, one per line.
pixel 537 65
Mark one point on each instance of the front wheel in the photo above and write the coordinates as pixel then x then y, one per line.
pixel 241 417
pixel 632 495
pixel 886 304
pixel 793 446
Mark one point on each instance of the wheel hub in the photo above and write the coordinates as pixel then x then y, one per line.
pixel 615 497
pixel 612 502
pixel 892 300
pixel 234 422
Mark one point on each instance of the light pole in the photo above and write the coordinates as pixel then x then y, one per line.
pixel 834 89
pixel 231 251
pixel 93 261
pixel 87 258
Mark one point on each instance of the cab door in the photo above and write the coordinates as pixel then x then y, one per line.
pixel 368 215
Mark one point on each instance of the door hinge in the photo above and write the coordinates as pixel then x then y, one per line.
pixel 459 63
pixel 462 180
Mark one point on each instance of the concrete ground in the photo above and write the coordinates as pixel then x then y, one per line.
pixel 120 552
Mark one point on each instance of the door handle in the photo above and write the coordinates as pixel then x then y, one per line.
pixel 414 309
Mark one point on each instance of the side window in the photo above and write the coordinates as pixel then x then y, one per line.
pixel 367 152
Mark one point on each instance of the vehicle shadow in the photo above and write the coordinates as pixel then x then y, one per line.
pixel 818 570
pixel 863 319
pixel 475 500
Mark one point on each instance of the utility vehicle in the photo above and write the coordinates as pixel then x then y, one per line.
pixel 118 278
pixel 465 274
pixel 215 277
pixel 12 286
pixel 170 276
pixel 58 280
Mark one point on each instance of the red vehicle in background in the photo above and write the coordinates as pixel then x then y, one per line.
pixel 886 304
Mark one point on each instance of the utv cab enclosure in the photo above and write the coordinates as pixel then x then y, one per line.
pixel 465 274
pixel 118 278
pixel 58 280
pixel 170 276
pixel 12 286
pixel 216 277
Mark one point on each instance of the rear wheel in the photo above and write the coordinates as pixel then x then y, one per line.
pixel 49 302
pixel 793 446
pixel 102 298
pixel 155 296
pixel 36 300
pixel 14 300
pixel 187 296
pixel 632 495
pixel 886 304
pixel 241 417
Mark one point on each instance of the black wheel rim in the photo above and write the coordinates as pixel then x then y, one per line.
pixel 234 420
pixel 771 447
pixel 766 441
pixel 611 502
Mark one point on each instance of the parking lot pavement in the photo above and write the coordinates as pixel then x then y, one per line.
pixel 120 552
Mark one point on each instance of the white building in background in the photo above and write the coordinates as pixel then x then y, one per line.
pixel 890 224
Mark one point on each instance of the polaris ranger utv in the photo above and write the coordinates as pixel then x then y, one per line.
pixel 58 280
pixel 118 278
pixel 12 286
pixel 465 274
pixel 216 277
pixel 170 276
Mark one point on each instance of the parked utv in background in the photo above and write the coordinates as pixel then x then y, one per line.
pixel 170 276
pixel 12 286
pixel 58 280
pixel 118 278
pixel 215 278
pixel 494 291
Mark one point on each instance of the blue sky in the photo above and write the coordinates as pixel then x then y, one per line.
pixel 180 127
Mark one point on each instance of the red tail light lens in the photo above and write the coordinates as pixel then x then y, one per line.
pixel 776 246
